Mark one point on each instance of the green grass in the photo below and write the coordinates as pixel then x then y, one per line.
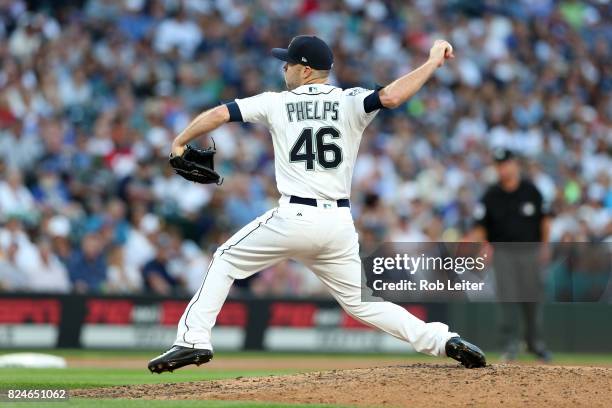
pixel 148 354
pixel 145 355
pixel 106 377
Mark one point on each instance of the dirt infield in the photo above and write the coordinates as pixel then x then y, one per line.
pixel 415 385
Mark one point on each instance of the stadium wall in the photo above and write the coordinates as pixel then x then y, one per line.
pixel 306 325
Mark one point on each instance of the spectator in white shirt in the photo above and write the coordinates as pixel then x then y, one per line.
pixel 178 32
pixel 138 247
pixel 11 277
pixel 15 198
pixel 45 272
pixel 121 276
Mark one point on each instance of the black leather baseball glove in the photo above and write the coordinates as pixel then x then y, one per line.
pixel 197 165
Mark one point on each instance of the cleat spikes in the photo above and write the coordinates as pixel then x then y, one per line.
pixel 179 356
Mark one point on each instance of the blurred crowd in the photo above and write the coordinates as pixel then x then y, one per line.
pixel 92 93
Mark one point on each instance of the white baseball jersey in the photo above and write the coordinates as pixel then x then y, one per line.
pixel 316 130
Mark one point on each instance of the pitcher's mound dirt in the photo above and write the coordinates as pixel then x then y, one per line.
pixel 414 385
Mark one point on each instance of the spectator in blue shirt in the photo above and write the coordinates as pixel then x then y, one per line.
pixel 87 265
pixel 155 273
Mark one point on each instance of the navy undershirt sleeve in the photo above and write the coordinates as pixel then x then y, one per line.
pixel 234 111
pixel 372 102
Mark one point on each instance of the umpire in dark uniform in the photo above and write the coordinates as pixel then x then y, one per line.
pixel 512 211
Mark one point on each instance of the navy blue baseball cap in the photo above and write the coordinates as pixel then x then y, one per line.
pixel 306 50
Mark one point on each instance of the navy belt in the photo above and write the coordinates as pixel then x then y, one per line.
pixel 343 202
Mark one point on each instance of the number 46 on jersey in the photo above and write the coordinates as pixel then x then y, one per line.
pixel 311 147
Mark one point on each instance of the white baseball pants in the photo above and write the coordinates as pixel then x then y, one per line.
pixel 322 238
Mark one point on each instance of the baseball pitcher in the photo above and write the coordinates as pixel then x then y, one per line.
pixel 316 129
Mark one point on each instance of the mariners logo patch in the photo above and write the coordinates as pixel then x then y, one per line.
pixel 357 91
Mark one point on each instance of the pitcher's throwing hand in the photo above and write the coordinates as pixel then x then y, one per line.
pixel 440 51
